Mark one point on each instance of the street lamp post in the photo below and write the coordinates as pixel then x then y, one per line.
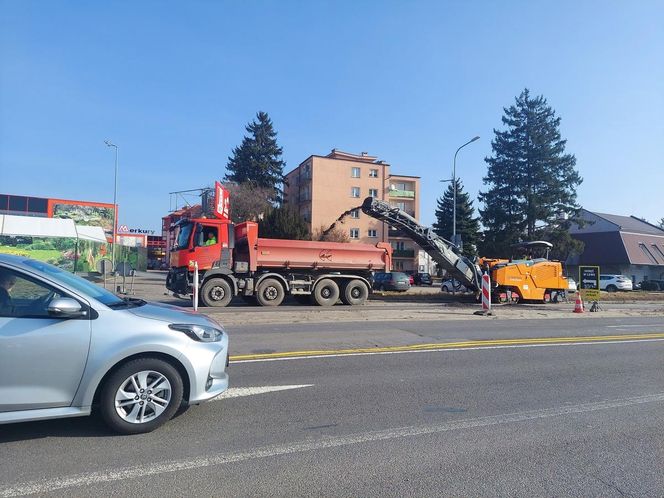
pixel 115 205
pixel 454 189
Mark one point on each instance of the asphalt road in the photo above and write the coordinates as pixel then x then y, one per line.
pixel 528 419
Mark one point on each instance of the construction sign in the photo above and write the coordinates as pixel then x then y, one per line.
pixel 589 283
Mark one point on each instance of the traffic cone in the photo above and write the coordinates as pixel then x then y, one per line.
pixel 578 306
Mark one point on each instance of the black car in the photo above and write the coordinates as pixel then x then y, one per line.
pixel 652 285
pixel 394 281
pixel 422 279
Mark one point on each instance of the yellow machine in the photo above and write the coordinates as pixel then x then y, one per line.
pixel 530 279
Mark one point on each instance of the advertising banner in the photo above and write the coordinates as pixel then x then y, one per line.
pixel 589 283
pixel 83 214
pixel 222 202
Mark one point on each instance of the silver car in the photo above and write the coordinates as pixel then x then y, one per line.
pixel 68 346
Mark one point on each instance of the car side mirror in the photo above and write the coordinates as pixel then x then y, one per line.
pixel 65 307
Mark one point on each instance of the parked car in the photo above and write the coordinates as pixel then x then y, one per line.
pixel 423 279
pixel 68 347
pixel 613 283
pixel 396 281
pixel 571 285
pixel 652 285
pixel 452 285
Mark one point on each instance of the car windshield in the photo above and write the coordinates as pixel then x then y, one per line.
pixel 182 240
pixel 75 282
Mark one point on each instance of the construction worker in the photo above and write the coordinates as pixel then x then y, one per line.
pixel 211 239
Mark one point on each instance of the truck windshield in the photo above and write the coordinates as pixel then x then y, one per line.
pixel 182 237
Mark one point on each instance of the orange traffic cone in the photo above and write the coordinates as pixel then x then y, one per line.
pixel 578 306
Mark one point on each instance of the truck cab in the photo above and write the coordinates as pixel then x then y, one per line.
pixel 207 241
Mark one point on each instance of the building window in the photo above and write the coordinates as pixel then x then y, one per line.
pixel 372 233
pixel 354 233
pixel 398 265
pixel 373 173
pixel 647 252
pixel 373 192
pixel 658 251
pixel 355 172
pixel 355 213
pixel 355 191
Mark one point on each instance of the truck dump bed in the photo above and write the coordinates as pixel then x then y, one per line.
pixel 294 254
pixel 262 253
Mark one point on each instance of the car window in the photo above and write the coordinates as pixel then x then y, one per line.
pixel 76 282
pixel 24 297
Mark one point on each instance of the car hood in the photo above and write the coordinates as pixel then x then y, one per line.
pixel 171 314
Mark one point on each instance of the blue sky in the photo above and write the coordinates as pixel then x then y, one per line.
pixel 174 83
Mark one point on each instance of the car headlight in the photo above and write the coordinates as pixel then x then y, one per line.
pixel 201 333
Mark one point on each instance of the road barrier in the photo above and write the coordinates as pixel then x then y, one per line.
pixel 194 295
pixel 486 295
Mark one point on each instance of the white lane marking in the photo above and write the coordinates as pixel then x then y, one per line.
pixel 633 326
pixel 141 471
pixel 237 392
pixel 443 350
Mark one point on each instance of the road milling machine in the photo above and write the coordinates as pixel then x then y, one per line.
pixel 512 280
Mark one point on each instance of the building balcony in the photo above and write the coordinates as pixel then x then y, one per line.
pixel 403 253
pixel 408 194
pixel 396 233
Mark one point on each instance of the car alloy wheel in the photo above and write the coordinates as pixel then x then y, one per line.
pixel 143 396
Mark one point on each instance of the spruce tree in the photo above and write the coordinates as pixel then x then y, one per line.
pixel 531 180
pixel 467 226
pixel 258 159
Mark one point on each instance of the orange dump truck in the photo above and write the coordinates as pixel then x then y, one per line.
pixel 234 261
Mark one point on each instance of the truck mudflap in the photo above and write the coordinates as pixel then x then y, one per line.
pixel 177 281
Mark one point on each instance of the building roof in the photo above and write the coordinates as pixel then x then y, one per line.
pixel 644 249
pixel 602 248
pixel 621 248
pixel 630 224
pixel 348 156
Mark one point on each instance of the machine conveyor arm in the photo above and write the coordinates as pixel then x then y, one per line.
pixel 443 252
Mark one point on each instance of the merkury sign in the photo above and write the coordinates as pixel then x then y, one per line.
pixel 137 231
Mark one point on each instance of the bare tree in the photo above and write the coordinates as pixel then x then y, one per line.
pixel 249 202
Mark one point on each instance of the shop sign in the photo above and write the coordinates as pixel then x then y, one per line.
pixel 137 231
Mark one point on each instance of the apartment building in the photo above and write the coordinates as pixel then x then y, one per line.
pixel 322 188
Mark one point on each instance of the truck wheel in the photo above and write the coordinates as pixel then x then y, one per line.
pixel 326 292
pixel 270 292
pixel 216 292
pixel 355 293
